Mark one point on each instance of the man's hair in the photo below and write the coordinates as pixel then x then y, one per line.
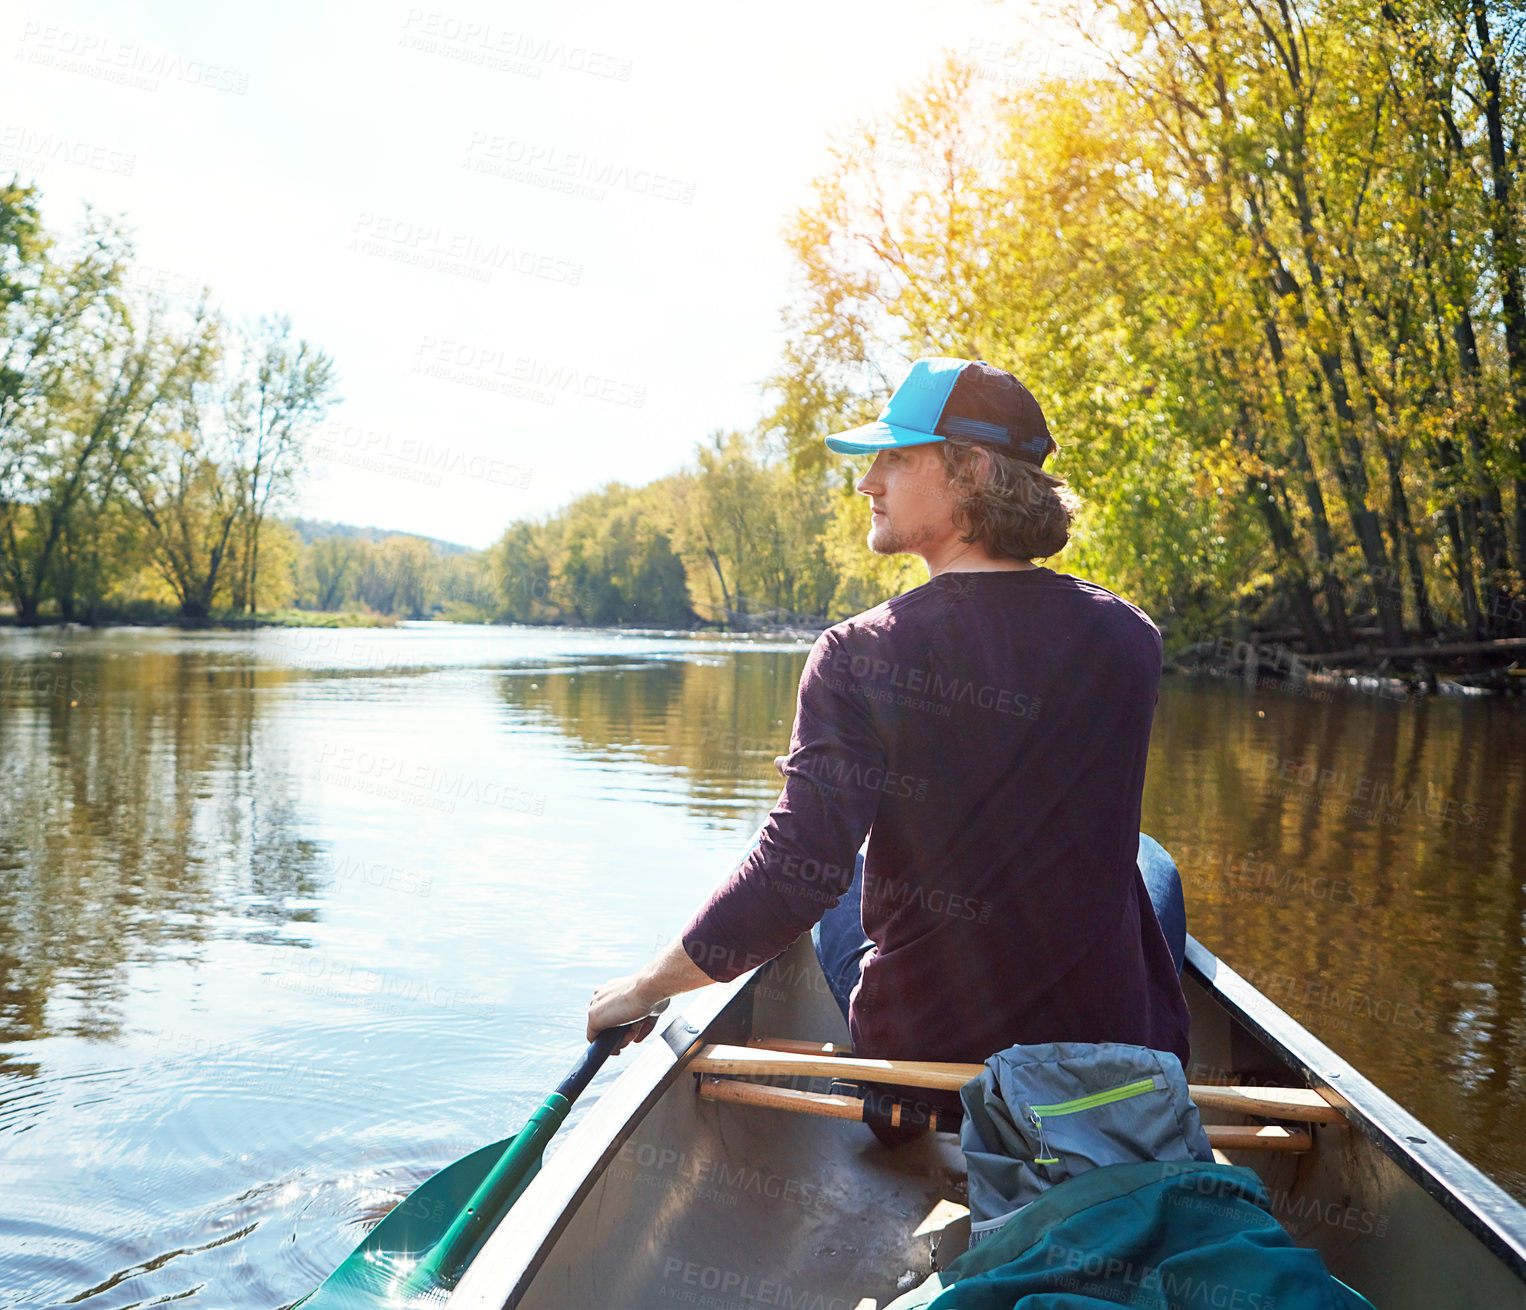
pixel 1012 508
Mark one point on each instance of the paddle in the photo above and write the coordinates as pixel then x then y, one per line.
pixel 430 1235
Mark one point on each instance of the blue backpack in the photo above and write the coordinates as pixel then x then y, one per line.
pixel 1038 1115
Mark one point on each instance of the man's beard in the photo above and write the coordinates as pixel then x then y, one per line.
pixel 885 540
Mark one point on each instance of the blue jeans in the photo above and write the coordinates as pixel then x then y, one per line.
pixel 841 945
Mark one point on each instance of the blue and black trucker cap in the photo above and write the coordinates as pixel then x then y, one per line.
pixel 943 397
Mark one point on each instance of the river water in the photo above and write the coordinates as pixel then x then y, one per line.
pixel 291 919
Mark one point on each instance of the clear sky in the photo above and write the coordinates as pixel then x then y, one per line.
pixel 542 242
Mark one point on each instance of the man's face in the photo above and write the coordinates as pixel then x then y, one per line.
pixel 911 501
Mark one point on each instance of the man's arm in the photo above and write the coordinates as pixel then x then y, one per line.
pixel 624 1000
pixel 802 863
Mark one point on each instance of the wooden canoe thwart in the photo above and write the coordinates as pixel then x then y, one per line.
pixel 1223 1137
pixel 767 1058
pixel 692 1181
pixel 824 1105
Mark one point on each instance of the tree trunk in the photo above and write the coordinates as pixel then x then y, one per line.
pixel 254 571
pixel 1346 449
pixel 1446 461
pixel 1295 572
pixel 1351 476
pixel 1405 542
pixel 1314 497
pixel 1483 490
pixel 1462 572
pixel 1508 257
pixel 720 577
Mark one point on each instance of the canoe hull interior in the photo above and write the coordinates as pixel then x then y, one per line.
pixel 659 1198
pixel 1355 1197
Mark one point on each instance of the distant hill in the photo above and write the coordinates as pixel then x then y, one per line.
pixel 311 530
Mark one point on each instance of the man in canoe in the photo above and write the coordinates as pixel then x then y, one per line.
pixel 987 731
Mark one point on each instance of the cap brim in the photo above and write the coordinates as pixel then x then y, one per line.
pixel 878 435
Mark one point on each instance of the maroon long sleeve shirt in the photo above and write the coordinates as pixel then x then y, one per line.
pixel 988 731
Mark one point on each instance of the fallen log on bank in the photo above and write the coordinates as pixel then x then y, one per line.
pixel 1444 650
pixel 1471 666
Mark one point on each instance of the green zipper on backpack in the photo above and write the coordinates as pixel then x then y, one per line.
pixel 1100 1098
pixel 1034 1114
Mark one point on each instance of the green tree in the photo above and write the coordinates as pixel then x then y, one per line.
pixel 334 565
pixel 465 590
pixel 187 485
pixel 749 529
pixel 86 378
pixel 519 564
pixel 280 391
pixel 398 576
pixel 616 564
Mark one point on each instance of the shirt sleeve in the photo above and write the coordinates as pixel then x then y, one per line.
pixel 803 862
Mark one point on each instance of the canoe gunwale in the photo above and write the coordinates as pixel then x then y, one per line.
pixel 1485 1209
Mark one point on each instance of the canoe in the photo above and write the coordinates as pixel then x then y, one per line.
pixel 671 1193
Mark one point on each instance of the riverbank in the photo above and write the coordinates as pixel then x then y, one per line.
pixel 799 631
pixel 1436 668
pixel 275 619
pixel 1261 660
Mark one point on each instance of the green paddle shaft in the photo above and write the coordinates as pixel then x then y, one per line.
pixel 515 1167
pixel 495 1194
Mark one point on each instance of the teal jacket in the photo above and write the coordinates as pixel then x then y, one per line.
pixel 1180 1235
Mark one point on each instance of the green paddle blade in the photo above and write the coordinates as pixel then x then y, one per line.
pixel 428 1238
pixel 383 1269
